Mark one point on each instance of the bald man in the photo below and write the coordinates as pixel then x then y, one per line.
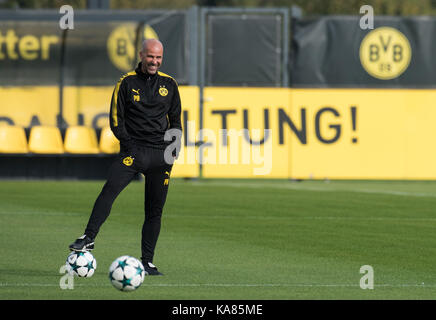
pixel 145 106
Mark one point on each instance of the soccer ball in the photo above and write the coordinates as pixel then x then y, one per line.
pixel 126 273
pixel 81 264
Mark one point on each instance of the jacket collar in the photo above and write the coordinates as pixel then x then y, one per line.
pixel 144 75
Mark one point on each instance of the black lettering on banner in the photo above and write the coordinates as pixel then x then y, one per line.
pixel 80 119
pixel 385 46
pixel 353 122
pixel 385 67
pixel 336 127
pixel 34 121
pixel 284 118
pixel 97 117
pixel 121 47
pixel 8 120
pixel 398 53
pixel 61 122
pixel 224 114
pixel 246 133
pixel 373 53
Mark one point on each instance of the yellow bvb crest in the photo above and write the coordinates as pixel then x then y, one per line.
pixel 128 161
pixel 163 91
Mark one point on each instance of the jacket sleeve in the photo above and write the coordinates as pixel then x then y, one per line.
pixel 175 110
pixel 174 115
pixel 117 115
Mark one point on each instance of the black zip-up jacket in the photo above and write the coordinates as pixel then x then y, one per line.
pixel 143 108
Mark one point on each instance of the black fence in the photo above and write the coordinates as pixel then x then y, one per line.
pixel 218 47
pixel 101 47
pixel 336 52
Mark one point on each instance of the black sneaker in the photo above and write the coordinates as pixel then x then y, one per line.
pixel 84 243
pixel 151 269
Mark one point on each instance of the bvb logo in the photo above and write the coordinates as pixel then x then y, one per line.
pixel 121 45
pixel 163 91
pixel 128 161
pixel 385 53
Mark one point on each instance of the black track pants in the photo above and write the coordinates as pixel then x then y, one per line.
pixel 151 163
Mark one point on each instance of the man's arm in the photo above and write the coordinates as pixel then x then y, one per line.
pixel 174 115
pixel 175 110
pixel 117 116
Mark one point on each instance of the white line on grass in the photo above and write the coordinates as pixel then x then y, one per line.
pixel 265 285
pixel 206 216
pixel 40 213
pixel 293 186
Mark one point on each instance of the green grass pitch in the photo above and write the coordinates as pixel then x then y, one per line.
pixel 229 239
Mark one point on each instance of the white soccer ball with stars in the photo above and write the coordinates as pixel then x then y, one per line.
pixel 82 264
pixel 126 273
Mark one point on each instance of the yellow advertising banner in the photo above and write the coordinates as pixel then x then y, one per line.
pixel 320 133
pixel 241 133
pixel 364 134
pixel 271 132
pixel 89 105
pixel 29 106
pixel 186 166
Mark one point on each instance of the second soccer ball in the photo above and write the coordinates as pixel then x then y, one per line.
pixel 126 273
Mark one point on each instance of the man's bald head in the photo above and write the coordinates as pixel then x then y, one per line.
pixel 149 43
pixel 151 55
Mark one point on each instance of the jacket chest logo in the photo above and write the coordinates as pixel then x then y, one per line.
pixel 163 91
pixel 136 96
